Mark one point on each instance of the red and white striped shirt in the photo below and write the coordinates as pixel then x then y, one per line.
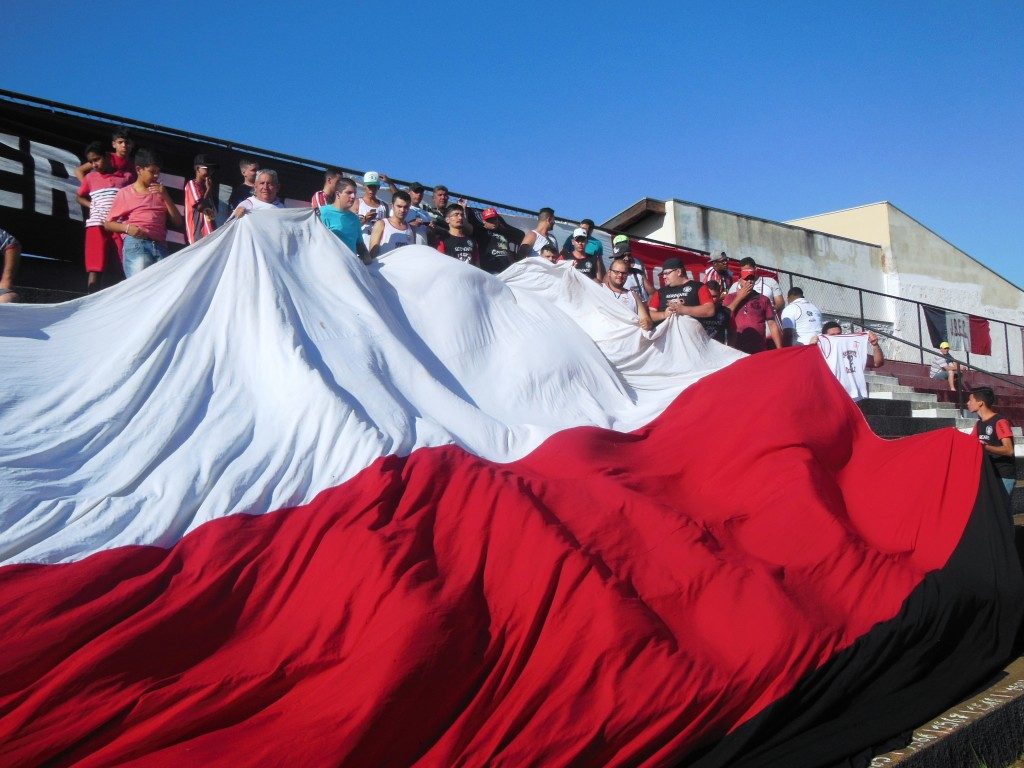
pixel 319 200
pixel 196 224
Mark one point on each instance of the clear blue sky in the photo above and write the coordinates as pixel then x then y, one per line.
pixel 776 110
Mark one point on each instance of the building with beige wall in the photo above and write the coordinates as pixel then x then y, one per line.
pixel 875 247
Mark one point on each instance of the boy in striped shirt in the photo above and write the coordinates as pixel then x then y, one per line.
pixel 97 192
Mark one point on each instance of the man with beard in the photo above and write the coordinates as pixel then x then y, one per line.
pixel 616 283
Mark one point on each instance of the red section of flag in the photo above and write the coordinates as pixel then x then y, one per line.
pixel 653 255
pixel 609 599
pixel 981 338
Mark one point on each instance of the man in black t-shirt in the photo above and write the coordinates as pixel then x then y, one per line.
pixel 680 295
pixel 591 266
pixel 499 242
pixel 457 243
pixel 717 325
pixel 248 168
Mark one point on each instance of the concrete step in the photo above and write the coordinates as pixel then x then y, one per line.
pixel 918 397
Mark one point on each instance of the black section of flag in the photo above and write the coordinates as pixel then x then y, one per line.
pixel 957 629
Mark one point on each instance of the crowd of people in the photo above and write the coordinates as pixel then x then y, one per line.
pixel 129 211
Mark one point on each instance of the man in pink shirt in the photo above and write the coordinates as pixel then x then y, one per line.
pixel 140 212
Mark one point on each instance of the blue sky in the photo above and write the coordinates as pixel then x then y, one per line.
pixel 776 110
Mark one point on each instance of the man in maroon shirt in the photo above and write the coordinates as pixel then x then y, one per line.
pixel 752 314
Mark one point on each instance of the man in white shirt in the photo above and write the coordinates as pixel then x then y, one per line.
pixel 615 281
pixel 846 355
pixel 801 320
pixel 265 195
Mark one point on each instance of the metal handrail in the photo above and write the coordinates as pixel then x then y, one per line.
pixel 319 165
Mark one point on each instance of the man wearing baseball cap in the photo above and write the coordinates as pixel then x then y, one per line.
pixel 718 270
pixel 499 242
pixel 766 286
pixel 371 208
pixel 943 366
pixel 589 265
pixel 593 247
pixel 679 295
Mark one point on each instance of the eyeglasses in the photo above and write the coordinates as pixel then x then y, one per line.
pixel 619 271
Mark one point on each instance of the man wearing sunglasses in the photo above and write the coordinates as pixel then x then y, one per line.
pixel 615 282
pixel 679 295
pixel 591 266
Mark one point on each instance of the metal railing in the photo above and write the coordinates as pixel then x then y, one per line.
pixel 896 318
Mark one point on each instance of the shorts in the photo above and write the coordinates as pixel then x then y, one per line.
pixel 100 249
pixel 140 252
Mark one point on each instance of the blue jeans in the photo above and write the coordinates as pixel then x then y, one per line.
pixel 140 252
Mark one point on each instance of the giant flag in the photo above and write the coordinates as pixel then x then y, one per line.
pixel 262 505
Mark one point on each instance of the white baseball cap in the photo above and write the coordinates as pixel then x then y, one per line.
pixel 371 179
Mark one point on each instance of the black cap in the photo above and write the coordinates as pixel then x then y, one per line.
pixel 672 263
pixel 416 187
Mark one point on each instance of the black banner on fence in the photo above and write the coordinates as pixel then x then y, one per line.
pixel 40 149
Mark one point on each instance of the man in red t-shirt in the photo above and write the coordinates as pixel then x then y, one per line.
pixel 752 314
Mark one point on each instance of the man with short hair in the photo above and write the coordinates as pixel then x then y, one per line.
pixel 638 280
pixel 325 196
pixel 549 252
pixel 943 366
pixel 417 216
pixel 457 243
pixel 265 195
pixel 499 241
pixel 591 266
pixel 337 216
pixel 248 167
pixel 120 159
pixel 766 286
pixel 540 235
pixel 392 233
pixel 593 246
pixel 753 317
pixel 140 212
pixel 679 295
pixel 995 433
pixel 11 250
pixel 717 325
pixel 436 227
pixel 846 356
pixel 718 270
pixel 616 283
pixel 200 202
pixel 801 320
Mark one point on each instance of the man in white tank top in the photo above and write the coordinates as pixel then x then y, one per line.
pixel 371 208
pixel 392 232
pixel 615 281
pixel 540 236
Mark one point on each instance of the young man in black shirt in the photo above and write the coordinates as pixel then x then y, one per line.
pixel 499 242
pixel 457 242
pixel 591 266
pixel 680 295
